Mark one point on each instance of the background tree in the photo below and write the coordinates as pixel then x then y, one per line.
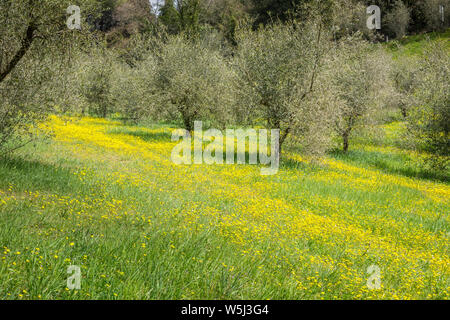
pixel 273 11
pixel 193 82
pixel 397 20
pixel 96 80
pixel 131 17
pixel 104 20
pixel 225 16
pixel 268 11
pixel 405 74
pixel 277 68
pixel 182 16
pixel 169 17
pixel 429 122
pixel 432 16
pixel 361 74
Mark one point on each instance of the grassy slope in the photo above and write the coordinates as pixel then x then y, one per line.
pixel 106 197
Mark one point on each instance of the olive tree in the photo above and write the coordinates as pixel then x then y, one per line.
pixel 405 74
pixel 349 17
pixel 277 69
pixel 95 82
pixel 34 43
pixel 430 120
pixel 193 82
pixel 133 89
pixel 359 82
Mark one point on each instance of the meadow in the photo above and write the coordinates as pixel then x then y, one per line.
pixel 357 210
pixel 106 197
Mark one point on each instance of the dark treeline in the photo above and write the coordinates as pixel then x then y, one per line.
pixel 398 17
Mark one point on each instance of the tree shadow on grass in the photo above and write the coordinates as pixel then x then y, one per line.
pixel 145 135
pixel 391 164
pixel 26 175
pixel 293 164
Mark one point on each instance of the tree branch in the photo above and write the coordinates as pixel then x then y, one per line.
pixel 26 44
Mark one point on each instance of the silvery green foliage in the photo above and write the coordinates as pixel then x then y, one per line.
pixel 34 43
pixel 193 83
pixel 350 17
pixel 22 100
pixel 404 74
pixel 360 83
pixel 133 89
pixel 430 120
pixel 277 69
pixel 95 81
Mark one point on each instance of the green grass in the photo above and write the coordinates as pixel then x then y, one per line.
pixel 27 225
pixel 414 46
pixel 107 198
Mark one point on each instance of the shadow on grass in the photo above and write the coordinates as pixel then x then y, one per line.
pixel 391 163
pixel 144 135
pixel 28 175
pixel 293 164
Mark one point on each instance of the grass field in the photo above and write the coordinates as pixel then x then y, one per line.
pixel 106 197
pixel 414 46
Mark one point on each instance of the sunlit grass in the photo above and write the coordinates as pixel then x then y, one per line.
pixel 107 197
pixel 414 46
